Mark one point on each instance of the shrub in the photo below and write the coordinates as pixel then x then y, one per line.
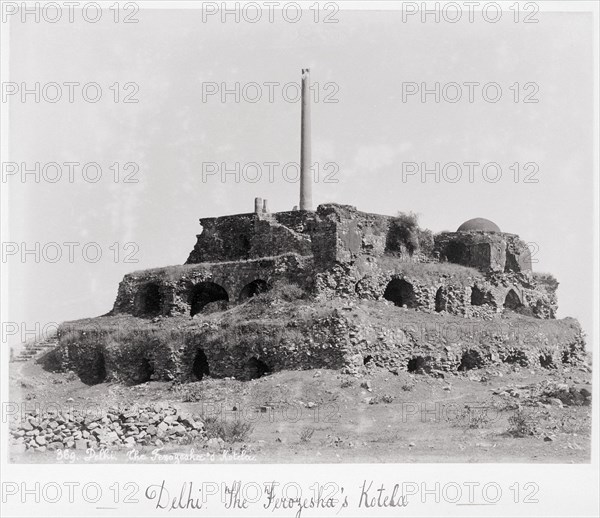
pixel 471 418
pixel 522 424
pixel 238 431
pixel 189 392
pixel 234 431
pixel 306 434
pixel 403 234
pixel 547 280
pixel 426 242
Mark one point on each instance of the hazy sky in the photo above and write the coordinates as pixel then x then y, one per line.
pixel 369 134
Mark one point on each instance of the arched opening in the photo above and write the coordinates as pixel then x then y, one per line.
pixel 256 368
pixel 477 296
pixel 512 301
pixel 400 293
pixel 546 361
pixel 518 357
pixel 95 371
pixel 440 300
pixel 204 293
pixel 470 360
pixel 148 300
pixel 511 264
pixel 146 371
pixel 200 365
pixel 367 359
pixel 253 288
pixel 418 365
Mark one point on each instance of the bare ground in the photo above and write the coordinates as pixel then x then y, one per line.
pixel 323 416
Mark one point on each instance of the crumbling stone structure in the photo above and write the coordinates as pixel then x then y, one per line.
pixel 335 253
pixel 339 251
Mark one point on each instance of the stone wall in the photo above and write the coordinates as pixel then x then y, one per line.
pixel 334 233
pixel 450 345
pixel 261 337
pixel 486 251
pixel 340 251
pixel 252 236
pixel 136 351
pixel 176 284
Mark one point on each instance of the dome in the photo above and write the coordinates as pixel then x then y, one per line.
pixel 479 224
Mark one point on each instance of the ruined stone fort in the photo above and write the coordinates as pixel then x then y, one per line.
pixel 369 289
pixel 340 251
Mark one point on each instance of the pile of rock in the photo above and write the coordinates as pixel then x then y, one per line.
pixel 138 426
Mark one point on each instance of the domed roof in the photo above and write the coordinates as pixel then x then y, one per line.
pixel 479 224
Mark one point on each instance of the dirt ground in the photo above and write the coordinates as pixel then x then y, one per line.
pixel 324 416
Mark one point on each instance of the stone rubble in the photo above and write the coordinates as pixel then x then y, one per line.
pixel 115 428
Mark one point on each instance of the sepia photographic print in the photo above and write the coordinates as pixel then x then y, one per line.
pixel 299 259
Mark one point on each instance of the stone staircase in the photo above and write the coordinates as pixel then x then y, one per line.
pixel 35 349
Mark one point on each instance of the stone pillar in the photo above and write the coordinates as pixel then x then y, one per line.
pixel 265 207
pixel 305 145
pixel 258 205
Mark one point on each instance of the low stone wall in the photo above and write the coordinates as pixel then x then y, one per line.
pixel 114 428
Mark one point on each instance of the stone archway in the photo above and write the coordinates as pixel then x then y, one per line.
pixel 95 370
pixel 477 297
pixel 200 366
pixel 204 293
pixel 440 300
pixel 401 293
pixel 470 359
pixel 256 287
pixel 512 301
pixel 145 371
pixel 256 368
pixel 419 365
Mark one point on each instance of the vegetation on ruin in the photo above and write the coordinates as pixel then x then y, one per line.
pixel 405 236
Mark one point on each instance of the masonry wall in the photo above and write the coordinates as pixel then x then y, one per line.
pixel 252 236
pixel 176 284
pixel 487 251
pixel 334 233
pixel 338 251
pixel 297 337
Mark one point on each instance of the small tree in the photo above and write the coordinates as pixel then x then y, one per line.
pixel 403 234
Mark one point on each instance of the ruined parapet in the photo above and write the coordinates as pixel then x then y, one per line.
pixel 345 235
pixel 186 289
pixel 249 236
pixel 486 251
